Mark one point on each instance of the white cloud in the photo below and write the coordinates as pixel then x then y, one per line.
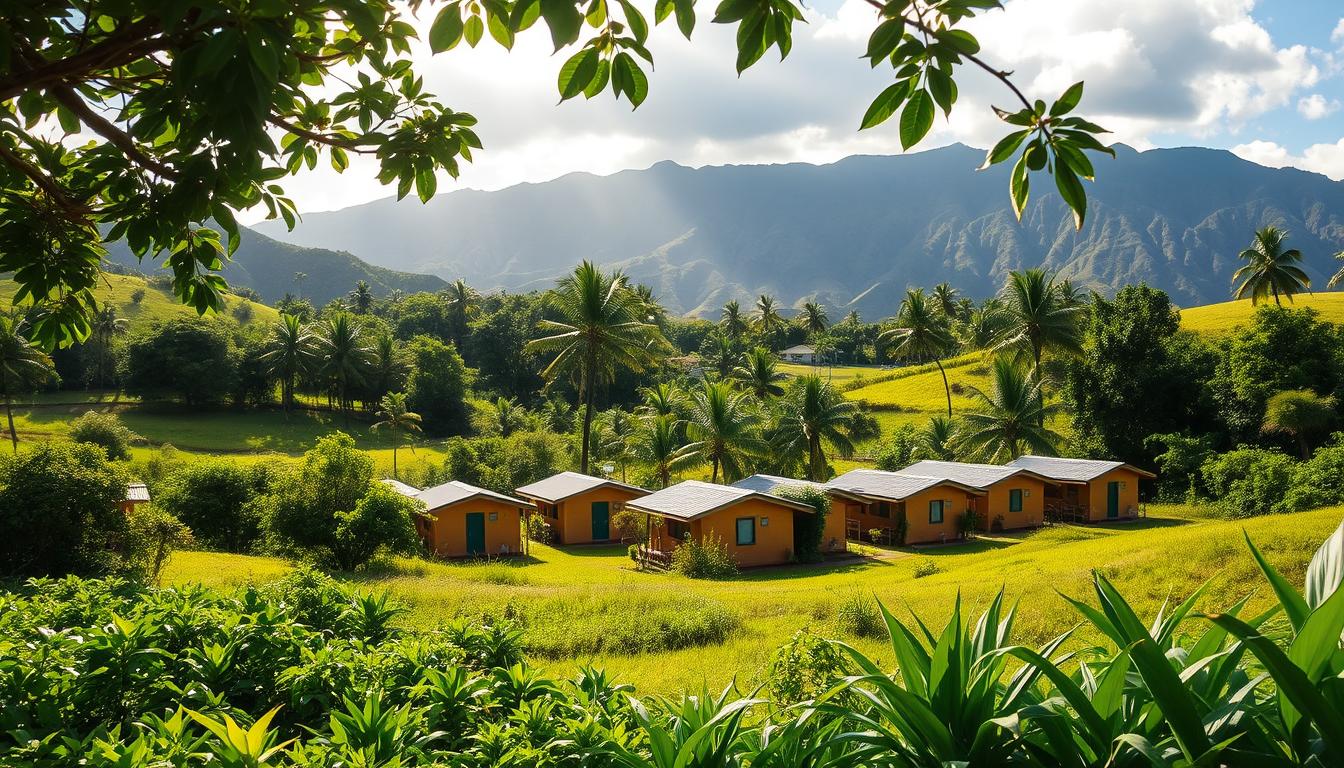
pixel 1327 159
pixel 1156 71
pixel 1316 106
pixel 1338 35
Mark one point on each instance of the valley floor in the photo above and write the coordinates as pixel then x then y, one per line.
pixel 575 603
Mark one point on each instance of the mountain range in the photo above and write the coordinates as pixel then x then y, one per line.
pixel 854 233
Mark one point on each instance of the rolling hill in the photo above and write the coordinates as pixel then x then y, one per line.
pixel 854 233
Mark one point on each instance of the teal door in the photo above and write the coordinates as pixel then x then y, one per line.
pixel 1113 499
pixel 475 533
pixel 601 520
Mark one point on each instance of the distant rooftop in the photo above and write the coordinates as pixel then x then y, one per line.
pixel 137 492
pixel 400 487
pixel 769 483
pixel 799 349
pixel 454 491
pixel 895 486
pixel 566 484
pixel 1072 470
pixel 691 499
pixel 975 475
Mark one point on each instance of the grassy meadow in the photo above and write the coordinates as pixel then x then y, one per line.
pixel 1218 319
pixel 155 304
pixel 588 605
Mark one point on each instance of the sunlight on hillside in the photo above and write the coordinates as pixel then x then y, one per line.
pixel 155 304
pixel 1218 319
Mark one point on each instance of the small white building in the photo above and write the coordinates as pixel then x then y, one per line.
pixel 800 353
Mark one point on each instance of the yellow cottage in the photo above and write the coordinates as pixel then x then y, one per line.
pixel 833 533
pixel 1014 496
pixel 579 507
pixel 466 521
pixel 1086 489
pixel 757 528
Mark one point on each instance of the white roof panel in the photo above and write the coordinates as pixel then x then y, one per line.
pixel 690 499
pixel 561 486
pixel 1075 470
pixel 454 491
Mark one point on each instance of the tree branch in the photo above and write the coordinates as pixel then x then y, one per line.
pixel 45 183
pixel 327 139
pixel 134 40
pixel 103 127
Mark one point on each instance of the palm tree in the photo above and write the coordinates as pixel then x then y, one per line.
pixel 767 319
pixel 733 322
pixel 815 415
pixel 598 333
pixel 461 301
pixel 662 399
pixel 361 298
pixel 1008 420
pixel 853 317
pixel 922 332
pixel 615 433
pixel 813 319
pixel 759 372
pixel 343 357
pixel 1301 414
pixel 658 442
pixel 106 326
pixel 23 367
pixel 1038 317
pixel 396 416
pixel 984 325
pixel 289 352
pixel 720 353
pixel 1271 270
pixel 1338 277
pixel 945 298
pixel 653 311
pixel 938 439
pixel 501 416
pixel 557 415
pixel 387 367
pixel 722 428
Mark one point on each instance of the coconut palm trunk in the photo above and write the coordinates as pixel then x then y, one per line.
pixel 947 388
pixel 9 415
pixel 588 377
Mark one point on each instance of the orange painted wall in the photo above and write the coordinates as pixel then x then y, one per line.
pixel 995 503
pixel 774 541
pixel 921 531
pixel 833 533
pixel 575 525
pixel 865 515
pixel 446 535
pixel 1129 493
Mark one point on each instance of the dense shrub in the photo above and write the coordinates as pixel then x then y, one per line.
pixel 503 463
pixel 1319 481
pixel 153 534
pixel 217 499
pixel 539 530
pixel 191 359
pixel 1249 481
pixel 808 530
pixel 804 668
pixel 704 558
pixel 926 567
pixel 858 615
pixel 437 388
pixel 104 430
pixel 898 451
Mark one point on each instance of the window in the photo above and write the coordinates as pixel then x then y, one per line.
pixel 883 509
pixel 677 530
pixel 1015 500
pixel 746 531
pixel 936 511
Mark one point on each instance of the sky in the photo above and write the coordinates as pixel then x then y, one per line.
pixel 1262 79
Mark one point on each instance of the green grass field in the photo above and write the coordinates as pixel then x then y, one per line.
pixel 577 596
pixel 155 305
pixel 839 375
pixel 1217 319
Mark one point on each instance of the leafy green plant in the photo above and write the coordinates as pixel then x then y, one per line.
pixel 704 558
pixel 858 615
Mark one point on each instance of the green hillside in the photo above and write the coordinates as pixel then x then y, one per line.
pixel 575 603
pixel 1215 319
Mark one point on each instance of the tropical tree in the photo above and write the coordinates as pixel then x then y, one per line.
pixel 1008 420
pixel 1338 277
pixel 659 443
pixel 23 366
pixel 106 326
pixel 983 325
pixel 501 416
pixel 813 415
pixel 947 300
pixel 462 300
pixel 720 353
pixel 723 430
pixel 662 399
pixel 938 439
pixel 813 319
pixel 767 320
pixel 1270 269
pixel 387 367
pixel 343 357
pixel 1300 414
pixel 599 332
pixel 615 432
pixel 652 310
pixel 1039 316
pixel 733 321
pixel 759 372
pixel 361 298
pixel 289 353
pixel 395 415
pixel 922 332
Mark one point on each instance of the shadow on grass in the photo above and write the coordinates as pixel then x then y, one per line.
pixel 591 550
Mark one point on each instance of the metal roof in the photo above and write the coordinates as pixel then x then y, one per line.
pixel 798 349
pixel 768 483
pixel 455 491
pixel 400 487
pixel 560 487
pixel 975 475
pixel 137 492
pixel 1072 470
pixel 894 486
pixel 691 499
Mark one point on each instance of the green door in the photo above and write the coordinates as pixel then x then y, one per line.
pixel 1113 499
pixel 475 533
pixel 601 520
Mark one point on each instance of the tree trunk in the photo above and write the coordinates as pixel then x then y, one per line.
pixel 947 389
pixel 1302 444
pixel 1277 303
pixel 1040 391
pixel 587 417
pixel 9 414
pixel 714 473
pixel 395 476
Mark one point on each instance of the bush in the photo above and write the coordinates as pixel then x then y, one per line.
pixel 243 312
pixel 1318 482
pixel 104 430
pixel 218 500
pixel 968 523
pixel 539 530
pixel 153 536
pixel 60 512
pixel 503 463
pixel 191 359
pixel 804 668
pixel 1249 482
pixel 808 530
pixel 707 558
pixel 137 296
pixel 898 452
pixel 858 615
pixel 926 567
pixel 629 524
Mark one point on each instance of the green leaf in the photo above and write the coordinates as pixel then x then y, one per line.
pixel 751 40
pixel 1293 604
pixel 1326 570
pixel 916 118
pixel 1073 157
pixel 685 10
pixel 1005 148
pixel 599 81
pixel 885 105
pixel 473 31
pixel 524 14
pixel 635 21
pixel 564 20
pixel 499 29
pixel 446 31
pixel 577 72
pixel 633 81
pixel 1068 101
pixel 960 40
pixel 942 88
pixel 1019 186
pixel 885 39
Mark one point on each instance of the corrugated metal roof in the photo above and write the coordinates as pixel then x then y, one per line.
pixel 454 491
pixel 798 349
pixel 400 487
pixel 889 485
pixel 1076 470
pixel 137 492
pixel 690 499
pixel 768 483
pixel 975 475
pixel 562 486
